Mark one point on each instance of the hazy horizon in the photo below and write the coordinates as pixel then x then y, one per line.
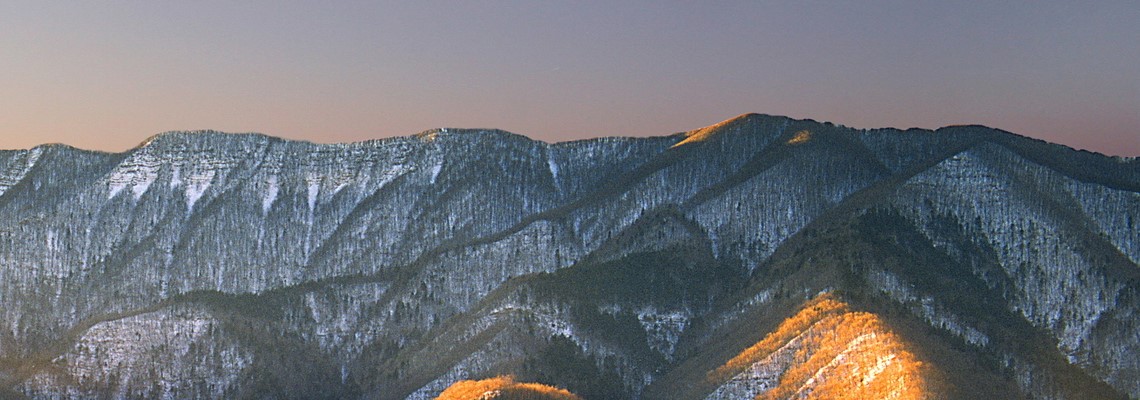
pixel 105 76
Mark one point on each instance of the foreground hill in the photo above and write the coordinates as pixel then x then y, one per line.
pixel 762 256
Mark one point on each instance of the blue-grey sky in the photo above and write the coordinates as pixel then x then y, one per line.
pixel 107 74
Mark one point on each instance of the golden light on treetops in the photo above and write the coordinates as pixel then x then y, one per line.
pixel 708 132
pixel 504 388
pixel 829 351
pixel 801 137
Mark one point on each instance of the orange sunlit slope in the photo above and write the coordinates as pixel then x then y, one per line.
pixel 801 137
pixel 828 351
pixel 707 132
pixel 504 388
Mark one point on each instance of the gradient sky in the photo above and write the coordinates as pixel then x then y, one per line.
pixel 108 74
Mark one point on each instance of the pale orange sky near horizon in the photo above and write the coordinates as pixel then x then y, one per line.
pixel 107 75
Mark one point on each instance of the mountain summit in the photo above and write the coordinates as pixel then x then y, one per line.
pixel 762 257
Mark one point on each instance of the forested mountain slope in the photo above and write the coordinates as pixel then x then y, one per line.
pixel 762 256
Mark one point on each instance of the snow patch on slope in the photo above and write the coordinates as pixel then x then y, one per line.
pixel 553 166
pixel 435 169
pixel 136 173
pixel 314 189
pixel 18 168
pixel 271 191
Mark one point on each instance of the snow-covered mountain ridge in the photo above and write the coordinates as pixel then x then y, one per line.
pixel 213 265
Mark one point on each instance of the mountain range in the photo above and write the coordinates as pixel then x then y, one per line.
pixel 761 257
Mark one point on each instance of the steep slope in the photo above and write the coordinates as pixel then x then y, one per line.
pixel 827 351
pixel 207 265
pixel 879 265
